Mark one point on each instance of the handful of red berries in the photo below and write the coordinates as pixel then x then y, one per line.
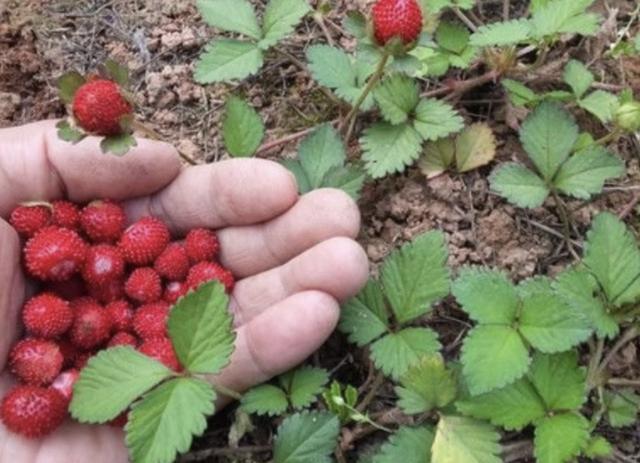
pixel 103 284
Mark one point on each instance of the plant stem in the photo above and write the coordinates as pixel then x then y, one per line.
pixel 629 335
pixel 566 227
pixel 596 357
pixel 607 138
pixel 624 382
pixel 152 134
pixel 223 390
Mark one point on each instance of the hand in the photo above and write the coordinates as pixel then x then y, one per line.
pixel 295 257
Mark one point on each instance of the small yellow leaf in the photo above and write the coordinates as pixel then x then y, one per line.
pixel 437 157
pixel 475 147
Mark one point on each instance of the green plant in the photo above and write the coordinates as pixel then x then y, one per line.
pixel 242 128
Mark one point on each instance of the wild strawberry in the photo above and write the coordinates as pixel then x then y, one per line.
pixel 397 18
pixel 33 411
pixel 28 219
pixel 123 338
pixel 91 326
pixel 99 106
pixel 69 289
pixel 144 241
pixel 54 254
pixel 201 245
pixel 121 315
pixel 82 360
pixel 174 291
pixel 150 320
pixel 161 350
pixel 103 221
pixel 64 383
pixel 36 361
pixel 66 214
pixel 109 292
pixel 103 264
pixel 209 271
pixel 144 285
pixel 173 263
pixel 47 316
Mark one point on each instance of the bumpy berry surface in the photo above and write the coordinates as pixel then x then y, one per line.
pixel 103 221
pixel 103 264
pixel 209 271
pixel 64 383
pixel 144 241
pixel 99 106
pixel 27 220
pixel 174 291
pixel 36 361
pixel 54 254
pixel 150 321
pixel 123 338
pixel 144 285
pixel 66 214
pixel 121 314
pixel 173 263
pixel 92 324
pixel 47 316
pixel 161 350
pixel 397 18
pixel 201 245
pixel 32 411
pixel 108 293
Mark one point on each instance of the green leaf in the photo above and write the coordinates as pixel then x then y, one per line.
pixel 578 77
pixel 231 15
pixel 265 399
pixel 560 438
pixel 622 407
pixel 389 148
pixel 118 145
pixel 201 329
pixel 349 179
pixel 395 353
pixel 68 133
pixel 493 356
pixel 435 119
pixel 465 440
pixel 416 276
pixel 308 437
pixel 519 94
pixel 452 37
pixel 548 136
pixel 584 173
pixel 242 128
pixel 407 445
pixel 164 422
pixel 111 381
pixel 426 385
pixel 226 60
pixel 331 67
pixel 304 385
pixel 612 255
pixel 68 84
pixel 475 147
pixel 519 185
pixel 319 153
pixel 280 18
pixel 502 33
pixel 564 17
pixel 512 407
pixel 559 380
pixel 601 104
pixel 488 296
pixel 437 157
pixel 117 72
pixel 296 169
pixel 364 317
pixel 598 448
pixel 397 96
pixel 356 24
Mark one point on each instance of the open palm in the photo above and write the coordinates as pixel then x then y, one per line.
pixel 294 257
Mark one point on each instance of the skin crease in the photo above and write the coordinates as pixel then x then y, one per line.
pixel 295 257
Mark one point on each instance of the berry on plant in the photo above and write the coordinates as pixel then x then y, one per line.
pixel 54 254
pixel 209 271
pixel 173 263
pixel 103 221
pixel 33 411
pixel 161 350
pixel 29 219
pixel 144 241
pixel 397 18
pixel 144 285
pixel 201 245
pixel 36 361
pixel 47 316
pixel 99 107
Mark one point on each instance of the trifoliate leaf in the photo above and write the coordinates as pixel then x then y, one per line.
pixel 534 285
pixel 426 385
pixel 280 18
pixel 389 148
pixel 465 440
pixel 601 104
pixel 407 445
pixel 118 145
pixel 519 185
pixel 68 84
pixel 612 255
pixel 622 407
pixel 242 128
pixel 226 60
pixel 265 399
pixel 598 448
pixel 163 423
pixel 452 37
pixel 331 66
pixel 111 381
pixel 578 77
pixel 548 136
pixel 559 380
pixel 201 329
pixel 437 157
pixel 349 179
pixel 308 437
pixel 395 353
pixel 364 317
pixel 319 153
pixel 519 94
pixel 564 17
pixel 560 438
pixel 436 119
pixel 416 276
pixel 475 147
pixel 68 133
pixel 488 296
pixel 501 34
pixel 493 356
pixel 231 15
pixel 304 385
pixel 512 407
pixel 397 96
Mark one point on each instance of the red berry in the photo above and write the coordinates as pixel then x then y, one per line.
pixel 99 106
pixel 47 316
pixel 33 411
pixel 121 315
pixel 397 18
pixel 92 324
pixel 103 264
pixel 174 291
pixel 144 285
pixel 161 350
pixel 209 271
pixel 82 359
pixel 36 361
pixel 201 245
pixel 121 420
pixel 173 263
pixel 108 293
pixel 123 338
pixel 144 241
pixel 68 289
pixel 66 214
pixel 64 383
pixel 103 221
pixel 29 219
pixel 150 321
pixel 54 254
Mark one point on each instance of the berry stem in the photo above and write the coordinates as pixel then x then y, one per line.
pixel 149 132
pixel 222 390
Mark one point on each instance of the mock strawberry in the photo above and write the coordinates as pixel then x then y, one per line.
pixel 99 106
pixel 150 320
pixel 54 254
pixel 32 411
pixel 397 18
pixel 36 361
pixel 103 264
pixel 64 383
pixel 47 316
pixel 92 324
pixel 201 245
pixel 29 219
pixel 123 338
pixel 144 285
pixel 174 291
pixel 109 292
pixel 65 214
pixel 121 315
pixel 82 360
pixel 144 241
pixel 173 263
pixel 103 221
pixel 161 350
pixel 209 271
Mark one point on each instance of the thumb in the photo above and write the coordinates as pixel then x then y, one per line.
pixel 12 288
